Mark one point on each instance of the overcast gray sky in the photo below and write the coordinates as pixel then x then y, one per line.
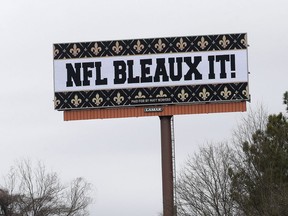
pixel 121 157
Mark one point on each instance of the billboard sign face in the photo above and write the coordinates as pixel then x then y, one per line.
pixel 157 71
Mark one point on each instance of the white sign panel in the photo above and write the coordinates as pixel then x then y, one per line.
pixel 150 70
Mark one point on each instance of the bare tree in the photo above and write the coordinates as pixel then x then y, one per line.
pixel 253 121
pixel 203 186
pixel 33 191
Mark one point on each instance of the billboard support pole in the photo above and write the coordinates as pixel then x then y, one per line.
pixel 167 166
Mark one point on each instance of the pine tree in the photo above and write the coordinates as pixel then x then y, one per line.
pixel 260 186
pixel 285 100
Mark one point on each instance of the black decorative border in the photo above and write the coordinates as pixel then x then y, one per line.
pixel 150 46
pixel 151 96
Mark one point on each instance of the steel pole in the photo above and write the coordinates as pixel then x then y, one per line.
pixel 167 166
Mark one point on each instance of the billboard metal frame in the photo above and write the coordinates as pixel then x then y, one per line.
pixel 221 90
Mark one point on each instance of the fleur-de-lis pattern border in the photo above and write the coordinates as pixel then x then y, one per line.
pixel 150 46
pixel 151 96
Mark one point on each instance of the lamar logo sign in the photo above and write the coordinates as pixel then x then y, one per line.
pixel 150 71
pixel 153 109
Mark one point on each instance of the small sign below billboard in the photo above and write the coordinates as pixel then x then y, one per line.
pixel 156 71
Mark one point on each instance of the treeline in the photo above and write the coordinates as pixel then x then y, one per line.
pixel 245 177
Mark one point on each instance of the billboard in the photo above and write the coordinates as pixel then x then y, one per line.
pixel 154 71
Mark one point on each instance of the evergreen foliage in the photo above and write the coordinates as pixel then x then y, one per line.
pixel 285 100
pixel 260 185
